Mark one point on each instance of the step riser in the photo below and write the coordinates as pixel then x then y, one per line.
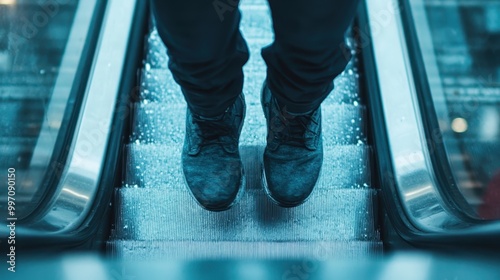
pixel 327 215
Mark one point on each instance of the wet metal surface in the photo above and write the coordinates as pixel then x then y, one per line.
pixel 343 215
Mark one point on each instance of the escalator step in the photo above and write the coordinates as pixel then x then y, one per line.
pixel 156 55
pixel 255 25
pixel 172 215
pixel 153 250
pixel 158 166
pixel 164 124
pixel 158 85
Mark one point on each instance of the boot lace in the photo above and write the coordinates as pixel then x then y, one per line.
pixel 214 131
pixel 293 129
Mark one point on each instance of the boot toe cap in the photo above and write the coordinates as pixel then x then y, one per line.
pixel 290 182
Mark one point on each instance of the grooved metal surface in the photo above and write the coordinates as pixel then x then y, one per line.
pixel 163 123
pixel 154 166
pixel 329 214
pixel 157 217
pixel 323 250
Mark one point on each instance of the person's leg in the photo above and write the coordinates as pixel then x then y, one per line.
pixel 308 50
pixel 206 54
pixel 302 63
pixel 206 51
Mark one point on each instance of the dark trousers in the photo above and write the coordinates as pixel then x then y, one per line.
pixel 207 51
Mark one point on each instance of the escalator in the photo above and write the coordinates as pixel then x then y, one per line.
pixel 157 217
pixel 93 124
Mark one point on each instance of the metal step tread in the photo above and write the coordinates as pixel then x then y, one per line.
pixel 256 26
pixel 157 166
pixel 319 250
pixel 158 85
pixel 164 123
pixel 172 214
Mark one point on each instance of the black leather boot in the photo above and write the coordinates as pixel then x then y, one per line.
pixel 294 153
pixel 211 160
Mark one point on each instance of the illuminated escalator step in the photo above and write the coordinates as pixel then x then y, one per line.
pixel 172 215
pixel 180 250
pixel 158 85
pixel 163 123
pixel 255 25
pixel 159 166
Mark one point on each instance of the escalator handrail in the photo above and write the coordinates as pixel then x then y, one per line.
pixel 428 84
pixel 74 194
pixel 62 108
pixel 409 180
